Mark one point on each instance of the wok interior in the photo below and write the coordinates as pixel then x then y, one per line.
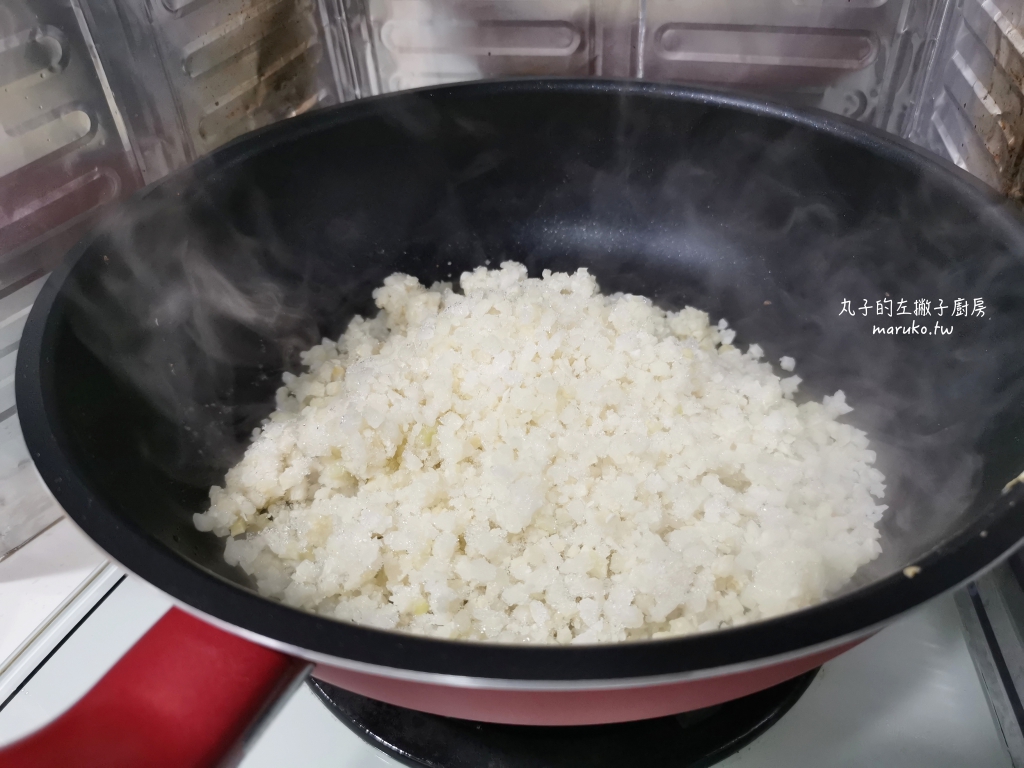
pixel 180 318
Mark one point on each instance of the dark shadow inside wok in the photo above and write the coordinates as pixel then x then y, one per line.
pixel 182 317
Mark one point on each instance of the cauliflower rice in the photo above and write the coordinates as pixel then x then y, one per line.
pixel 533 461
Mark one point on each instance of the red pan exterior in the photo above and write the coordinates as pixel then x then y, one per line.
pixel 584 707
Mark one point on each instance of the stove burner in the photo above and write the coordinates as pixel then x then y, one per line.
pixel 690 740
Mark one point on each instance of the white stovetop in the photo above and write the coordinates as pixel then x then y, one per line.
pixel 907 698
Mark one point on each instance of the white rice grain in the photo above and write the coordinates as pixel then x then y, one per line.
pixel 532 461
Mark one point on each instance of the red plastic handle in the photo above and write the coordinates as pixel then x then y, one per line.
pixel 184 696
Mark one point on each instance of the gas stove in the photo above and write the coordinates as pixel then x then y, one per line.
pixel 936 689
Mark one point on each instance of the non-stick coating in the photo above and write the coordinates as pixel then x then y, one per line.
pixel 153 353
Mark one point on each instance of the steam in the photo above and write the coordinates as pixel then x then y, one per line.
pixel 205 300
pixel 195 317
pixel 759 216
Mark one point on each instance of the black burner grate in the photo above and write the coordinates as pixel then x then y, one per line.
pixel 690 740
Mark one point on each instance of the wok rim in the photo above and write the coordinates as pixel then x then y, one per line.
pixel 990 538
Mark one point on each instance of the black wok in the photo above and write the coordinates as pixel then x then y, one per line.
pixel 156 349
